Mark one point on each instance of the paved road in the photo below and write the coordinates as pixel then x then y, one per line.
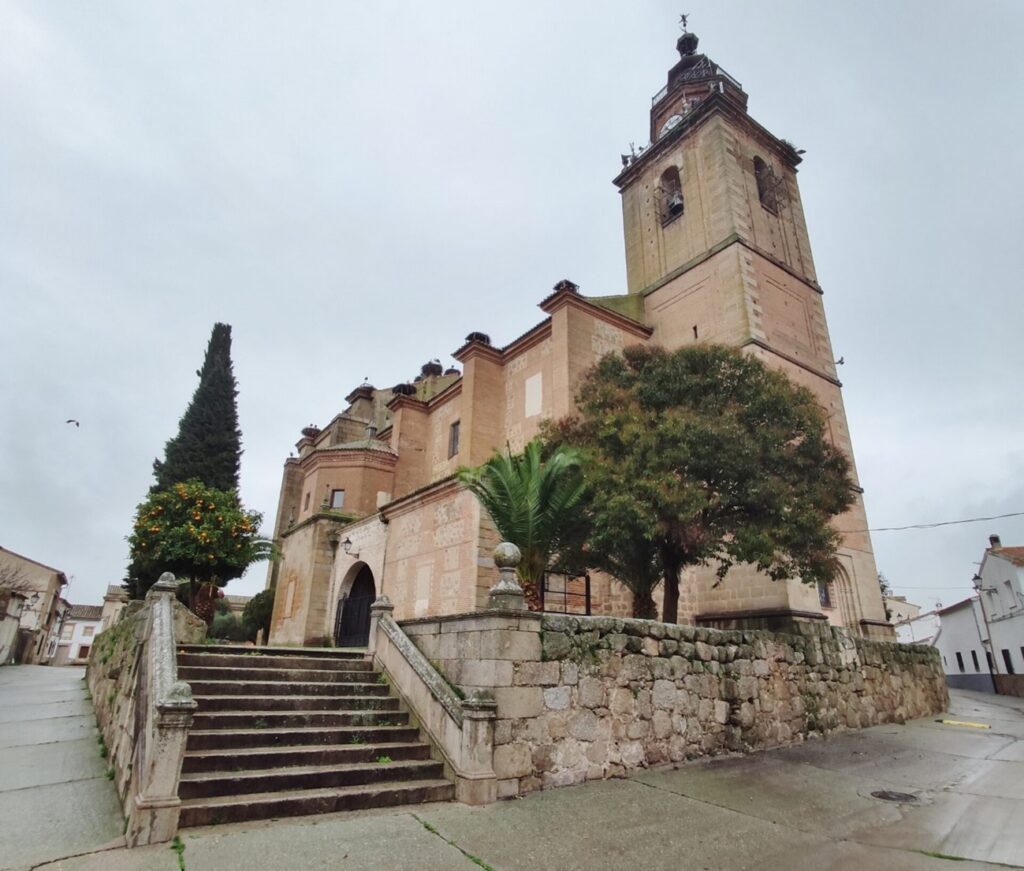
pixel 55 799
pixel 805 808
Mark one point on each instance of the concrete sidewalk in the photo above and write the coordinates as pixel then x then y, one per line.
pixel 803 808
pixel 55 799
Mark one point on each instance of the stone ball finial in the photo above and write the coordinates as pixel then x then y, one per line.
pixel 507 555
pixel 167 578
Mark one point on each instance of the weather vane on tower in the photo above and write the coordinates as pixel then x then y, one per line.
pixel 683 19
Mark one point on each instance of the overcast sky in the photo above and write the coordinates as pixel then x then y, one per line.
pixel 355 187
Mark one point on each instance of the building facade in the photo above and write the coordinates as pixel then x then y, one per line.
pixel 717 251
pixel 39 618
pixel 80 626
pixel 1000 586
pixel 962 641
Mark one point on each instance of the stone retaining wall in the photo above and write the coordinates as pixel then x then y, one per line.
pixel 113 678
pixel 593 697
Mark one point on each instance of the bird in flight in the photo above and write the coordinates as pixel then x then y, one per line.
pixel 72 420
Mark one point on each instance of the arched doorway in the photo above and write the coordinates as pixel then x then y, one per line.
pixel 352 620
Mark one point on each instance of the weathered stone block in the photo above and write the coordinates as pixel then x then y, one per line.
pixel 583 725
pixel 512 760
pixel 510 644
pixel 570 673
pixel 508 788
pixel 485 673
pixel 591 693
pixel 664 694
pixel 556 645
pixel 557 698
pixel 518 702
pixel 502 731
pixel 538 673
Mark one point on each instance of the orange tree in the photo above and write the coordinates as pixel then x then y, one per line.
pixel 197 532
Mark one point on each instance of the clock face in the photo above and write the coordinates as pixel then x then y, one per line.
pixel 669 124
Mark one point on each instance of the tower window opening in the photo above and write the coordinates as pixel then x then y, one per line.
pixel 974 659
pixel 695 331
pixel 670 194
pixel 770 187
pixel 453 439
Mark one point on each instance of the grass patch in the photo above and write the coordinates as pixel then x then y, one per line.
pixel 110 774
pixel 260 723
pixel 383 760
pixel 476 860
pixel 178 847
pixel 356 739
pixel 936 855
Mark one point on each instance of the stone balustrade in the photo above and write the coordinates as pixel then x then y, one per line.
pixel 143 710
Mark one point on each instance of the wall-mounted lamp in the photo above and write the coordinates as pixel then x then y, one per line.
pixel 347 547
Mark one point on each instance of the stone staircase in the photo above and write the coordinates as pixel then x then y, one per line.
pixel 287 731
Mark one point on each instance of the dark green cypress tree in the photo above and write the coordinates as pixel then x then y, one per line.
pixel 208 446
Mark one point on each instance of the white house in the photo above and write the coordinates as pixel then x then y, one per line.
pixel 81 625
pixel 1000 583
pixel 961 641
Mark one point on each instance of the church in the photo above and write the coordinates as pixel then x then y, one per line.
pixel 717 251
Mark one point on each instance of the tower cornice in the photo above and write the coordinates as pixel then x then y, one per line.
pixel 713 104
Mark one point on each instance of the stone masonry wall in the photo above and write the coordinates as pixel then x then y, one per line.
pixel 113 681
pixel 597 697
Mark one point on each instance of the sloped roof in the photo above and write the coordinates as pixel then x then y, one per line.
pixel 28 559
pixel 1014 555
pixel 86 612
pixel 955 606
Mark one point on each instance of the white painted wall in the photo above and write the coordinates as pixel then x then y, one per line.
pixel 1001 587
pixel 960 632
pixel 76 635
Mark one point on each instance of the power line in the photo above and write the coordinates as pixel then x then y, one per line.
pixel 941 523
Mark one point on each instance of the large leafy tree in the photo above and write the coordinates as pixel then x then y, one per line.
pixel 208 446
pixel 704 456
pixel 198 533
pixel 532 501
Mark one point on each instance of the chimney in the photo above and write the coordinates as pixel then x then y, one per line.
pixel 994 541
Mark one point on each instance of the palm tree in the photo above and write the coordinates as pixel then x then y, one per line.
pixel 532 502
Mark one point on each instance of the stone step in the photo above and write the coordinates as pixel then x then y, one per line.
pixel 235 759
pixel 259 660
pixel 285 688
pixel 225 783
pixel 299 675
pixel 296 703
pixel 261 719
pixel 226 738
pixel 249 650
pixel 262 806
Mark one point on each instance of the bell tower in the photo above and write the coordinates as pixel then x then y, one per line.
pixel 717 250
